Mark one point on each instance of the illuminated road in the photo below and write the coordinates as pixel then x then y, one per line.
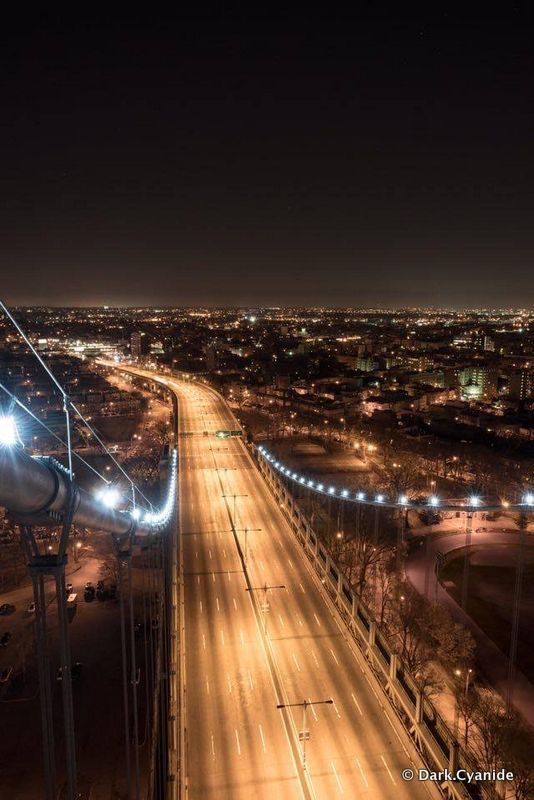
pixel 238 744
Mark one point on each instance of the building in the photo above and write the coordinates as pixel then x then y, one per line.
pixel 478 382
pixel 520 384
pixel 139 345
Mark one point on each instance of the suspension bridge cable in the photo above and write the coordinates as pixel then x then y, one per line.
pixel 51 432
pixel 68 401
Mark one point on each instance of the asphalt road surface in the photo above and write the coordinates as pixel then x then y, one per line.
pixel 238 744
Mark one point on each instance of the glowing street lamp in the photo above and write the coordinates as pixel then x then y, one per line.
pixel 110 497
pixel 9 434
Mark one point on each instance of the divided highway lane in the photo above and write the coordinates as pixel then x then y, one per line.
pixel 356 747
pixel 236 745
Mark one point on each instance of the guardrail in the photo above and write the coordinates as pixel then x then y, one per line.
pixel 431 734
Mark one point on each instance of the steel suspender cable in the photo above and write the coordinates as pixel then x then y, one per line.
pixel 51 432
pixel 67 400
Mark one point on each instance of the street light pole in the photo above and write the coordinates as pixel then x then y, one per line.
pixel 234 496
pixel 247 531
pixel 304 734
pixel 265 604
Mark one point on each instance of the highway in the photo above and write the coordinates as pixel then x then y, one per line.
pixel 238 744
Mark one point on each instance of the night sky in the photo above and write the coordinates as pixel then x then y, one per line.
pixel 373 159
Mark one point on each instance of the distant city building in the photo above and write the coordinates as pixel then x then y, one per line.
pixel 520 384
pixel 478 381
pixel 139 345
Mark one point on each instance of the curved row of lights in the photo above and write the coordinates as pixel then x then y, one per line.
pixel 111 498
pixel 403 501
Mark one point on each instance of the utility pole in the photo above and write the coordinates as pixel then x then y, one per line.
pixel 265 604
pixel 304 734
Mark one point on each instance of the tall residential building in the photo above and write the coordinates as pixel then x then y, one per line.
pixel 520 384
pixel 139 345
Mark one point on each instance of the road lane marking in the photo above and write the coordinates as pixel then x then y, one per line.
pixel 229 575
pixel 334 656
pixel 200 601
pixel 296 662
pixel 315 658
pixel 313 710
pixel 337 712
pixel 203 641
pixel 212 746
pixel 224 553
pixel 235 604
pixel 207 686
pixel 318 621
pixel 198 578
pixel 211 555
pixel 222 636
pixel 279 543
pixel 356 704
pixel 250 682
pixel 237 742
pixel 196 553
pixel 229 685
pixel 281 620
pixel 241 636
pixel 362 773
pixel 290 563
pixel 300 622
pixel 389 771
pixel 213 576
pixel 262 739
pixel 303 589
pixel 217 601
pixel 337 778
pixel 262 565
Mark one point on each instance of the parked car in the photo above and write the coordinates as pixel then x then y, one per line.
pixel 6 608
pixel 5 675
pixel 89 592
pixel 68 588
pixel 75 671
pixel 31 608
pixel 4 639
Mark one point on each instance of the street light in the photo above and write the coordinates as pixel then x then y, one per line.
pixel 9 435
pixel 304 734
pixel 234 496
pixel 247 531
pixel 265 605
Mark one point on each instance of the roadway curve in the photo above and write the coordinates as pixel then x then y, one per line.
pixel 238 744
pixel 421 571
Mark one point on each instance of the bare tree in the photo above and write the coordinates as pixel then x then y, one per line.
pixel 491 730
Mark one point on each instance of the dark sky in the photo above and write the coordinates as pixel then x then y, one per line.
pixel 379 158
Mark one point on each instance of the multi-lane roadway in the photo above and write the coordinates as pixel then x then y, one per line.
pixel 243 660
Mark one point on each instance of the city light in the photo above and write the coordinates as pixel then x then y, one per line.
pixel 529 499
pixel 8 431
pixel 474 501
pixel 109 497
pixel 403 499
pixel 433 500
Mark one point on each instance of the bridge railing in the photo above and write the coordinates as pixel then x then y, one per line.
pixel 433 737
